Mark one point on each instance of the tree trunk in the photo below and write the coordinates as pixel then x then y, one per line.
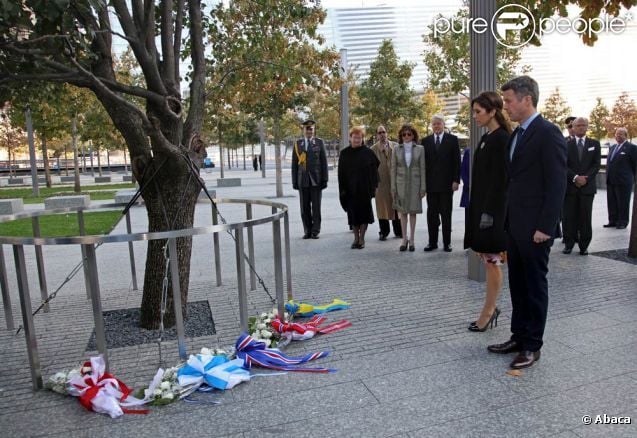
pixel 45 158
pixel 244 157
pixel 108 160
pixel 632 242
pixel 277 155
pixel 66 160
pixel 76 164
pixel 229 159
pixel 170 200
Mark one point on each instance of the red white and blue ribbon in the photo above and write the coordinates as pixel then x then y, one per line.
pixel 255 353
pixel 302 331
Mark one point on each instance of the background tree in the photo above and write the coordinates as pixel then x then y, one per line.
pixel 385 95
pixel 72 42
pixel 599 120
pixel 430 105
pixel 12 139
pixel 624 114
pixel 555 108
pixel 272 48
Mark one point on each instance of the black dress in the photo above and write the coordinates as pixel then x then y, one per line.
pixel 488 194
pixel 357 182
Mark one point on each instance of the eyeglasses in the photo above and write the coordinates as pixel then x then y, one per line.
pixel 381 132
pixel 406 134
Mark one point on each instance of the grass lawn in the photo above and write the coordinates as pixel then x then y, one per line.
pixel 63 225
pixel 97 192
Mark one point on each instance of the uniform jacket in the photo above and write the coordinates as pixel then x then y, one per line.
pixel 588 166
pixel 314 172
pixel 443 166
pixel 408 182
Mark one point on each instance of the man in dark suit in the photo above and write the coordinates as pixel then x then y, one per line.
pixel 535 193
pixel 583 162
pixel 620 178
pixel 442 162
pixel 568 122
pixel 309 177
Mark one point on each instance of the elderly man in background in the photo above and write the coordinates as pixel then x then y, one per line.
pixel 383 149
pixel 620 178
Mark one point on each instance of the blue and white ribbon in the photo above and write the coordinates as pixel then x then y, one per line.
pixel 215 371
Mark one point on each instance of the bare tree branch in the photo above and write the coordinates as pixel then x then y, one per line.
pixel 194 120
pixel 179 23
pixel 167 41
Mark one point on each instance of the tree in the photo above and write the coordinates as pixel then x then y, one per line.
pixel 272 49
pixel 12 138
pixel 430 105
pixel 624 114
pixel 385 96
pixel 555 108
pixel 447 59
pixel 72 42
pixel 599 120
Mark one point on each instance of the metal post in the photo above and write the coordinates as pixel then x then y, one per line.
pixel 27 317
pixel 241 279
pixel 34 168
pixel 215 242
pixel 96 301
pixel 288 258
pixel 6 297
pixel 278 264
pixel 87 284
pixel 44 293
pixel 483 78
pixel 131 252
pixel 344 101
pixel 179 319
pixel 253 276
pixel 262 141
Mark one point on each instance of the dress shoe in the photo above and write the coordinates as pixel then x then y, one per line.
pixel 621 227
pixel 509 346
pixel 306 236
pixel 567 250
pixel 525 359
pixel 473 327
pixel 412 248
pixel 447 248
pixel 610 225
pixel 382 237
pixel 314 236
pixel 583 252
pixel 430 247
pixel 403 247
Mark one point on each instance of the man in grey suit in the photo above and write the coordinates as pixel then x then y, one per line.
pixel 583 162
pixel 309 177
pixel 620 178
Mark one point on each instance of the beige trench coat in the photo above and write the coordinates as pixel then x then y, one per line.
pixel 408 182
pixel 384 207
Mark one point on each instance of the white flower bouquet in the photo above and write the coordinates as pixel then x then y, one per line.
pixel 260 328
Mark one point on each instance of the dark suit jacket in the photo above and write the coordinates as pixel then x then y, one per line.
pixel 537 181
pixel 588 166
pixel 621 169
pixel 314 174
pixel 442 167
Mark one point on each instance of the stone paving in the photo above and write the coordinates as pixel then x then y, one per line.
pixel 406 368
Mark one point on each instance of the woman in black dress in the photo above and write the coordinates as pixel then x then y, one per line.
pixel 357 181
pixel 485 225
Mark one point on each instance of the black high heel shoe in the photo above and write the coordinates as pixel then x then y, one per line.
pixel 403 247
pixel 492 322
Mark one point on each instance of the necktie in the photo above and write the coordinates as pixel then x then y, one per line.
pixel 580 148
pixel 517 138
pixel 612 157
pixel 437 142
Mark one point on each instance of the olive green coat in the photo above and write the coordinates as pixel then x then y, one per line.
pixel 407 183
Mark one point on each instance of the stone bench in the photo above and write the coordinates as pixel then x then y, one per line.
pixel 102 179
pixel 125 196
pixel 11 206
pixel 202 195
pixel 228 182
pixel 127 178
pixel 66 179
pixel 16 181
pixel 67 202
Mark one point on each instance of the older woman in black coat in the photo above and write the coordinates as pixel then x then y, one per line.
pixel 485 214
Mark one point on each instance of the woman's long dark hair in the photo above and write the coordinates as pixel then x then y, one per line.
pixel 490 100
pixel 408 127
